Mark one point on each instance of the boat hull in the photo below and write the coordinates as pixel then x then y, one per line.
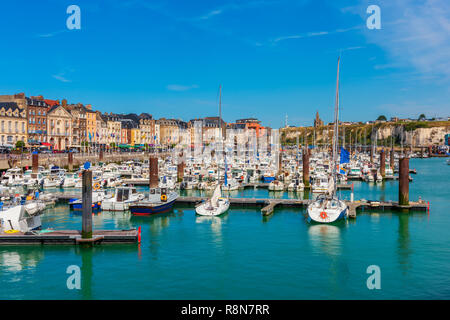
pixel 144 209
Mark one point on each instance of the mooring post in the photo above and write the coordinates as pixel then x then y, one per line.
pixel 392 159
pixel 280 162
pixel 35 162
pixel 180 171
pixel 403 182
pixel 351 195
pixel 70 161
pixel 305 159
pixel 100 155
pixel 382 163
pixel 86 232
pixel 153 174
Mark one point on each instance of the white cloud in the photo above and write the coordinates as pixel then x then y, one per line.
pixel 314 34
pixel 415 34
pixel 177 87
pixel 211 14
pixel 60 77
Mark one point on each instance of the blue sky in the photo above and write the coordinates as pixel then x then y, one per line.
pixel 272 57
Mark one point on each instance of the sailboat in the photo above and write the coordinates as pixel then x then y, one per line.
pixel 328 207
pixel 217 205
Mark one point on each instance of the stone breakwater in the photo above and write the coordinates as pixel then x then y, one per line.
pixel 62 160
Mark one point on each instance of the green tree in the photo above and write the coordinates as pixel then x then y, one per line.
pixel 382 118
pixel 422 117
pixel 20 144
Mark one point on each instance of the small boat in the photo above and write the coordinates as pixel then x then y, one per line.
pixel 276 185
pixel 97 198
pixel 18 219
pixel 296 185
pixel 158 201
pixel 122 198
pixel 215 206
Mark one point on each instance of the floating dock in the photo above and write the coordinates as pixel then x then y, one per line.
pixel 269 204
pixel 69 237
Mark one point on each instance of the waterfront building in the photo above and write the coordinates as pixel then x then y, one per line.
pixel 147 128
pixel 13 124
pixel 37 109
pixel 169 131
pixel 13 119
pixel 59 127
pixel 114 132
pixel 78 125
pixel 91 126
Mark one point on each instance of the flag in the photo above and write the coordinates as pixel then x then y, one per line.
pixel 345 156
pixel 90 136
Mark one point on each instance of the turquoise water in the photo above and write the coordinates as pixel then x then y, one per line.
pixel 244 256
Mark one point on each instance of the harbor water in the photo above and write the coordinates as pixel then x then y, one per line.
pixel 243 255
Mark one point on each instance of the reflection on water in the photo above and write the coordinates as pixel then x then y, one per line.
pixel 404 250
pixel 15 259
pixel 215 223
pixel 325 238
pixel 86 253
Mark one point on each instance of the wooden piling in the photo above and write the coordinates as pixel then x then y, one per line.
pixel 305 159
pixel 86 231
pixel 100 155
pixel 70 161
pixel 383 163
pixel 35 162
pixel 180 171
pixel 280 162
pixel 403 182
pixel 153 172
pixel 392 159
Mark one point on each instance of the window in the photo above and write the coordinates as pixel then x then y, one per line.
pixel 23 127
pixel 9 127
pixel 3 126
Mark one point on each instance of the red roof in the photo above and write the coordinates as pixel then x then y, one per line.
pixel 51 103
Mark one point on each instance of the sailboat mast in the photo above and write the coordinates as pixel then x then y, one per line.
pixel 220 130
pixel 336 130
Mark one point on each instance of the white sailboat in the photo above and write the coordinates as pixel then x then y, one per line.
pixel 328 207
pixel 217 205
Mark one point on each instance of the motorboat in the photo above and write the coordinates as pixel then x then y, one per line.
pixel 276 185
pixel 159 200
pixel 97 198
pixel 18 219
pixel 122 198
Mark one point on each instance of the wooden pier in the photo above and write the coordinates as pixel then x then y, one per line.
pixel 69 237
